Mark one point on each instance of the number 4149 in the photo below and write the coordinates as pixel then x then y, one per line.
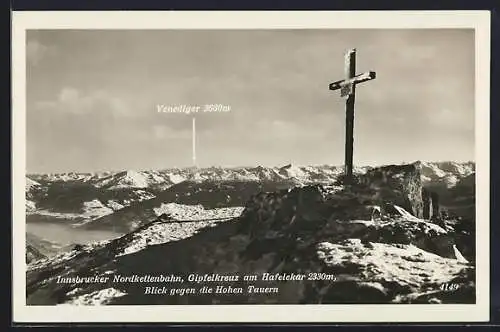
pixel 449 287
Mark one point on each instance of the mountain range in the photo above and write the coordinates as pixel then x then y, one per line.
pixel 83 197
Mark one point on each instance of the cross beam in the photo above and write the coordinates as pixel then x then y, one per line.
pixel 347 88
pixel 370 75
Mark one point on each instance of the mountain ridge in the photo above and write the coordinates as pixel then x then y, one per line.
pixel 108 192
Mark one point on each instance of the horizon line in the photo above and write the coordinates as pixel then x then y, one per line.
pixel 242 166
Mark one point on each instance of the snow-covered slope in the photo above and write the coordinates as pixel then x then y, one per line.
pixel 71 176
pixel 448 173
pixel 32 188
pixel 135 179
pixel 31 185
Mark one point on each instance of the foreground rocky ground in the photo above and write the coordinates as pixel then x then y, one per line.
pixel 360 243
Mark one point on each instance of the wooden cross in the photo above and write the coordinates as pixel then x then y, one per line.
pixel 347 88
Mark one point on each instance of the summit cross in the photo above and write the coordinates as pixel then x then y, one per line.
pixel 347 88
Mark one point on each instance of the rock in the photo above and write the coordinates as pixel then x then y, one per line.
pixel 281 212
pixel 398 184
pixel 427 204
pixel 312 211
pixel 431 207
pixel 435 206
pixel 33 254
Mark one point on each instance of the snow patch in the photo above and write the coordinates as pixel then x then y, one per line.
pixel 30 184
pixel 451 181
pixel 459 256
pixel 194 218
pixel 292 171
pixel 115 205
pixel 100 297
pixel 196 212
pixel 144 195
pixel 407 215
pixel 178 211
pixel 30 206
pixel 426 179
pixel 406 264
pixel 175 178
pixel 131 179
pixel 95 209
pixel 73 291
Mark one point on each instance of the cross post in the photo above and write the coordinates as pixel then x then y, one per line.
pixel 347 88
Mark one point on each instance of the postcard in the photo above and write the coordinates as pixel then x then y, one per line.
pixel 251 166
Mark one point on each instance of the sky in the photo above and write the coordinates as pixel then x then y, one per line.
pixel 93 97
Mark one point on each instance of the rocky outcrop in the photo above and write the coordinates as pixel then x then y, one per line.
pixel 436 213
pixel 431 208
pixel 316 212
pixel 33 254
pixel 398 184
pixel 427 204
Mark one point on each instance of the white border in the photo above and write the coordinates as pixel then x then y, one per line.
pixel 478 20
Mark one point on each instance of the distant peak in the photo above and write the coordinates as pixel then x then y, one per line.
pixel 286 166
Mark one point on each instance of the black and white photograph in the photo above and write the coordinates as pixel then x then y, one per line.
pixel 257 166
